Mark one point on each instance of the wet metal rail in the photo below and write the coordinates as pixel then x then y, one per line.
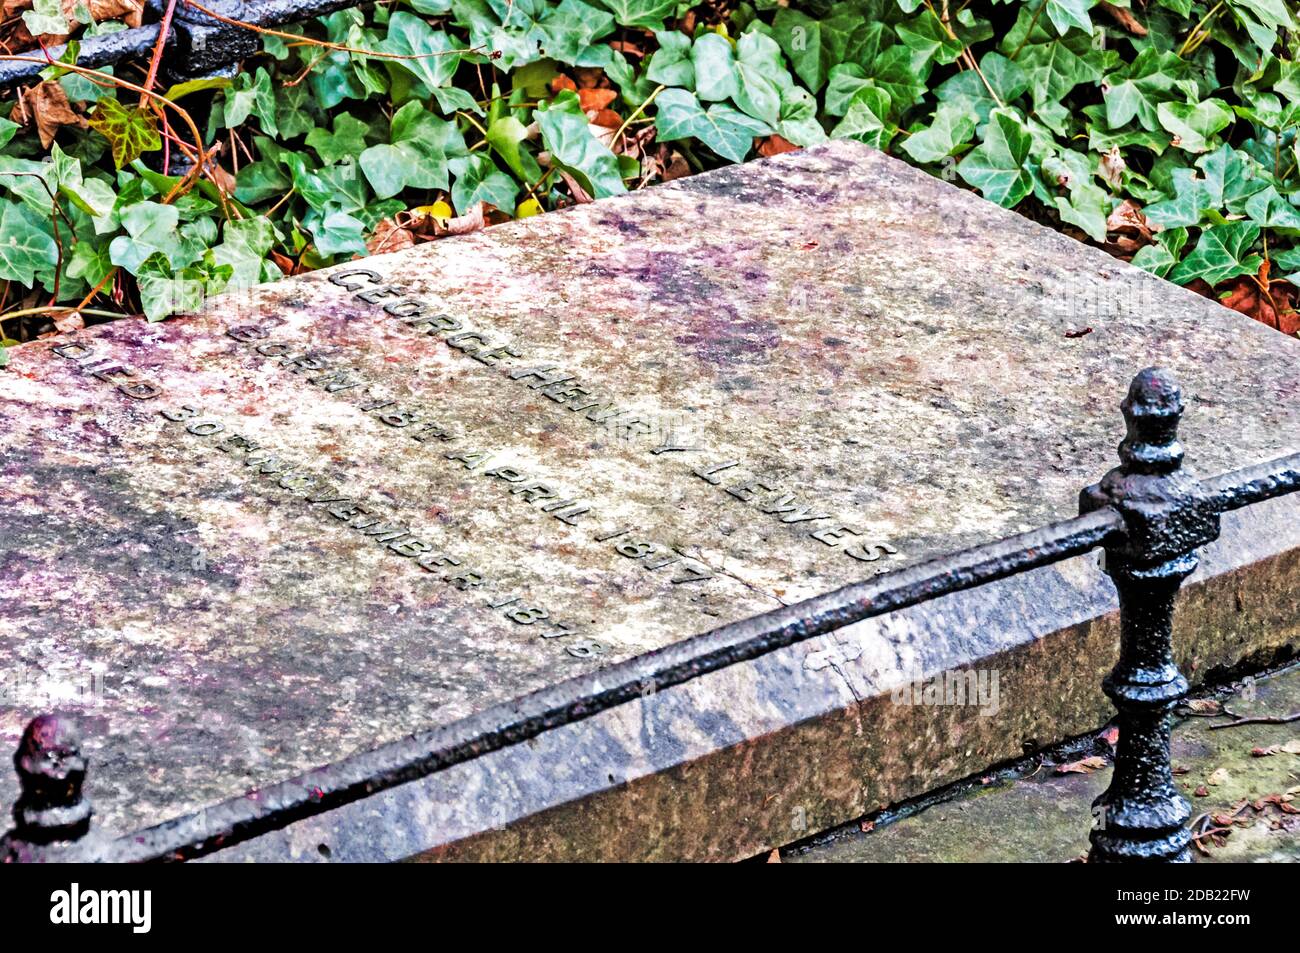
pixel 1148 514
pixel 198 45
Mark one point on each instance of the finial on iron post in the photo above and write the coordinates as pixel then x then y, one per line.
pixel 51 808
pixel 1141 816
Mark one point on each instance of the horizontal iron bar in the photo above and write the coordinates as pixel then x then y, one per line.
pixel 138 42
pixel 1255 484
pixel 95 51
pixel 576 699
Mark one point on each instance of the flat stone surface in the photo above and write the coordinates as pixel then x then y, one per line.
pixel 1042 816
pixel 614 427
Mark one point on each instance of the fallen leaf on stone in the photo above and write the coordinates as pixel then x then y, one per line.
pixel 472 221
pixel 69 321
pixel 1278 801
pixel 1127 219
pixel 1218 776
pixel 1204 706
pixel 1181 769
pixel 1083 766
pixel 1202 791
pixel 1265 752
pixel 389 236
pixel 868 826
pixel 580 195
pixel 775 145
pixel 774 857
pixel 1111 735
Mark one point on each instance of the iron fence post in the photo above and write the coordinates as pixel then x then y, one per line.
pixel 50 810
pixel 1141 816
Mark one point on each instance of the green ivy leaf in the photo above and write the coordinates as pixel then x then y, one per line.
pixel 26 246
pixel 1137 90
pixel 1065 14
pixel 1220 254
pixel 867 119
pixel 251 95
pixel 574 149
pixel 479 180
pixel 760 77
pixel 151 228
pixel 347 139
pixel 46 18
pixel 798 122
pixel 507 135
pixel 997 165
pixel 671 64
pixel 800 39
pixel 643 13
pixel 244 247
pixel 165 291
pixel 1194 123
pixel 432 56
pixel 952 127
pixel 130 131
pixel 728 132
pixel 415 155
pixel 714 68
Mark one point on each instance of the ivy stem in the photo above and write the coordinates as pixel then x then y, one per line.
pixel 638 111
pixel 60 309
pixel 1196 34
pixel 164 30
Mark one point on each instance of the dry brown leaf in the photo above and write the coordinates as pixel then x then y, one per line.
pixel 596 99
pixel 1128 219
pixel 626 47
pixel 1124 17
pixel 562 82
pixel 69 321
pixel 1112 166
pixel 389 236
pixel 605 118
pixel 1083 766
pixel 46 104
pixel 472 221
pixel 589 77
pixel 775 145
pixel 580 195
pixel 130 12
pixel 774 857
pixel 1204 706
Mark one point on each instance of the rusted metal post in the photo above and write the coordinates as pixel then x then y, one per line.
pixel 1141 816
pixel 50 810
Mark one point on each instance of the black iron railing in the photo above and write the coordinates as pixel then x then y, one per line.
pixel 198 45
pixel 1148 514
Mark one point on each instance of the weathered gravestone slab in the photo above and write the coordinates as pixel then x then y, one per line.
pixel 383 497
